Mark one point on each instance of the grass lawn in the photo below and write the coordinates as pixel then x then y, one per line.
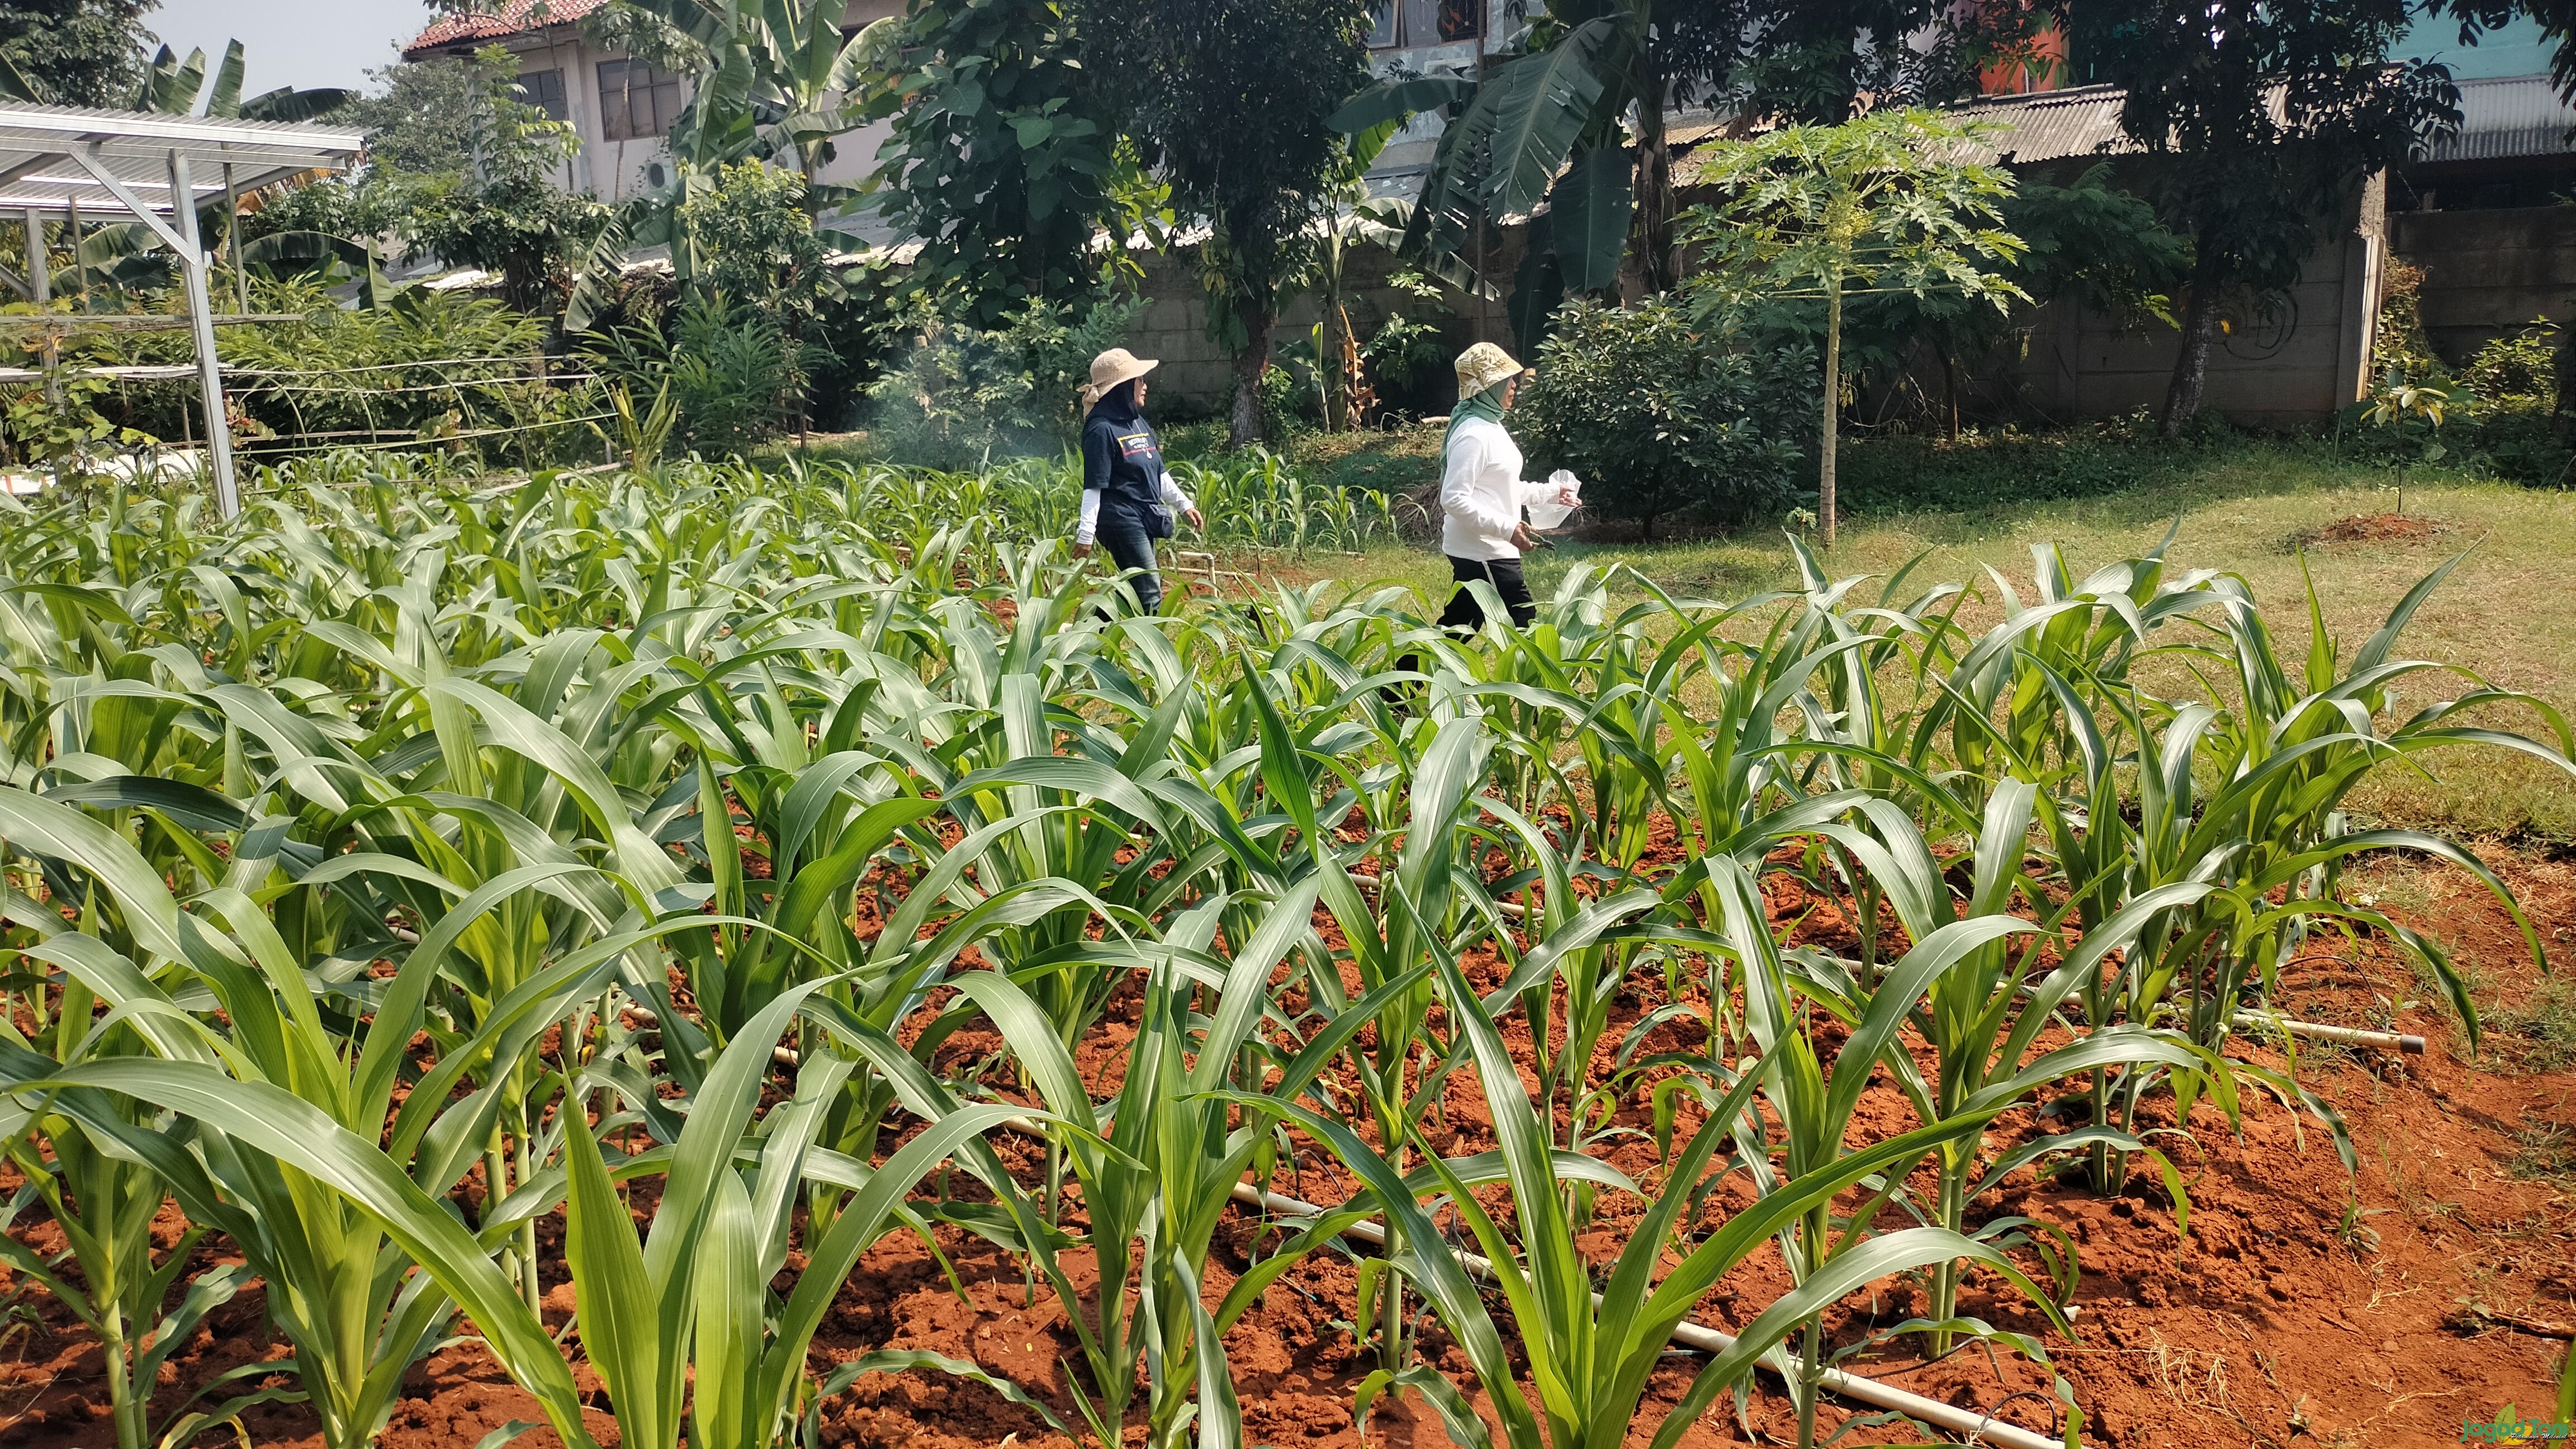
pixel 2251 508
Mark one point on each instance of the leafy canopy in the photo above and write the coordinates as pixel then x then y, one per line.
pixel 1004 156
pixel 1885 203
pixel 73 52
pixel 2261 116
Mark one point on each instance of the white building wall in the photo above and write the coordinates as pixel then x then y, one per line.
pixel 616 170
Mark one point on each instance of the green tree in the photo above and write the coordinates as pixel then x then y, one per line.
pixel 1233 102
pixel 72 52
pixel 2260 118
pixel 1570 128
pixel 2089 243
pixel 415 121
pixel 1880 204
pixel 1004 157
pixel 505 215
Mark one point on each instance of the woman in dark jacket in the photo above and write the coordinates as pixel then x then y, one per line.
pixel 1128 497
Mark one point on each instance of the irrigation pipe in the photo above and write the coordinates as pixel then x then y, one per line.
pixel 2406 1042
pixel 1978 1428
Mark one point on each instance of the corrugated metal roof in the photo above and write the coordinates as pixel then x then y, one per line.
pixel 43 151
pixel 2052 125
pixel 2500 118
pixel 2507 117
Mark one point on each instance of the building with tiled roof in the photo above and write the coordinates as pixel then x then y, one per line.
pixel 619 105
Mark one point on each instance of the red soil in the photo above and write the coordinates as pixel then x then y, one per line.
pixel 2377 528
pixel 2266 1326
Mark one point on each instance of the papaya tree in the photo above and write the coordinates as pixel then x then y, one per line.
pixel 1883 203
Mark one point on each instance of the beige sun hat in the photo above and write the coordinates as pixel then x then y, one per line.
pixel 1483 366
pixel 1113 367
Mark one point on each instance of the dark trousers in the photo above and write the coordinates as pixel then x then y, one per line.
pixel 1130 547
pixel 1464 612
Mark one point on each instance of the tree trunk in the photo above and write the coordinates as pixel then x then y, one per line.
pixel 2562 422
pixel 1246 427
pixel 1654 185
pixel 1353 380
pixel 1833 404
pixel 2191 366
pixel 1950 385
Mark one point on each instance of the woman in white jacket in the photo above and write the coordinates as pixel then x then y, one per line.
pixel 1482 493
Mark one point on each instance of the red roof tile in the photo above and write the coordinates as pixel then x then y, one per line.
pixel 511 18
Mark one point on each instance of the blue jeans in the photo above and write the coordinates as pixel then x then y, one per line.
pixel 1131 548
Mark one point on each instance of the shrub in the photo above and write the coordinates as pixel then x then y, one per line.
pixel 2403 352
pixel 960 394
pixel 1283 404
pixel 2521 365
pixel 731 367
pixel 430 365
pixel 753 239
pixel 1408 358
pixel 1660 417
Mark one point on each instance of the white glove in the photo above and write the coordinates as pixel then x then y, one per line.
pixel 1569 497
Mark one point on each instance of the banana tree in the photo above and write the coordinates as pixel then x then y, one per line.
pixel 780 80
pixel 178 87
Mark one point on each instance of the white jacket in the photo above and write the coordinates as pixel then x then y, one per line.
pixel 1481 492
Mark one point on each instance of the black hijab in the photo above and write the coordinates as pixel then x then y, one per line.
pixel 1118 405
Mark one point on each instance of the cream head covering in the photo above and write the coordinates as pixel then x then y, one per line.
pixel 1113 367
pixel 1483 366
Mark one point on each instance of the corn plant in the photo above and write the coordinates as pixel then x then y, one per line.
pixel 1159 1167
pixel 104 1203
pixel 1813 1110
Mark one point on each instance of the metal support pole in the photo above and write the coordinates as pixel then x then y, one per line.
pixel 232 242
pixel 80 274
pixel 40 290
pixel 210 378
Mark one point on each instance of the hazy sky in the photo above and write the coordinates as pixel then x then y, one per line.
pixel 301 43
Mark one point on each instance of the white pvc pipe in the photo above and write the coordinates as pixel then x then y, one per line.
pixel 1979 1428
pixel 2405 1042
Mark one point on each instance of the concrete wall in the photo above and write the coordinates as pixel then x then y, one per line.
pixel 2292 366
pixel 2487 273
pixel 1197 374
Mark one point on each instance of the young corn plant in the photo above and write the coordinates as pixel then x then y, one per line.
pixel 1591 1354
pixel 104 1202
pixel 289 1113
pixel 1828 1253
pixel 1158 1167
pixel 682 1319
pixel 1976 1003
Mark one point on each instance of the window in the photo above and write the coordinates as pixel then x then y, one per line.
pixel 1403 24
pixel 1421 22
pixel 1383 31
pixel 635 100
pixel 544 89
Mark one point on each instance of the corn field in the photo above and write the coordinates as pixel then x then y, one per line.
pixel 402 868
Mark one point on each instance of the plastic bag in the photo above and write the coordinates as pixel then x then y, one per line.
pixel 1550 513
